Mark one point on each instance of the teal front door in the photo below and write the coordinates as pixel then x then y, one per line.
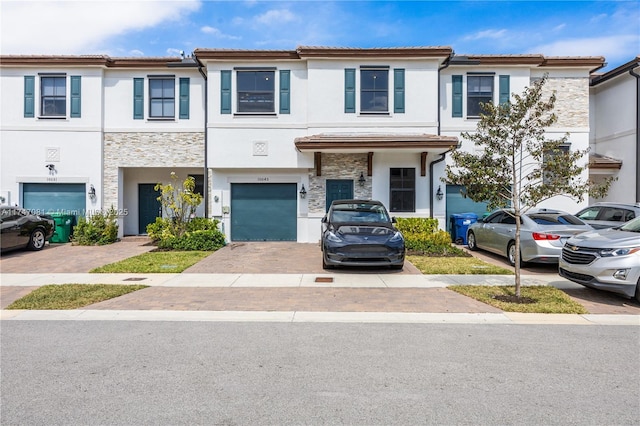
pixel 339 189
pixel 149 208
pixel 264 212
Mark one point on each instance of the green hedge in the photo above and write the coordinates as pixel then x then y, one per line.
pixel 98 229
pixel 422 235
pixel 201 234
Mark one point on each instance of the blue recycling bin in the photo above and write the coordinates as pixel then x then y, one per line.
pixel 460 225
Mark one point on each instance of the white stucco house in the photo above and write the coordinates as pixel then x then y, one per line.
pixel 271 136
pixel 615 137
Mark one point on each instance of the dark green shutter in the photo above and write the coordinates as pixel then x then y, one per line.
pixel 225 92
pixel 398 90
pixel 504 89
pixel 285 95
pixel 29 96
pixel 350 90
pixel 138 98
pixel 456 107
pixel 75 96
pixel 184 98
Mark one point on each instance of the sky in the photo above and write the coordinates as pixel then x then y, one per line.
pixel 151 28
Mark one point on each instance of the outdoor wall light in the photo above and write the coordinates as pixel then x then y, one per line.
pixel 439 193
pixel 303 192
pixel 92 192
pixel 361 179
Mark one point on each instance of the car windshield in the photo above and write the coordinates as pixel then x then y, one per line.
pixel 359 213
pixel 631 226
pixel 555 219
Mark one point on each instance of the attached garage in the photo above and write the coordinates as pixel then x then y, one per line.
pixel 264 212
pixel 67 198
pixel 458 203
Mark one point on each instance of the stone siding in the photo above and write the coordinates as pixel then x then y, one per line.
pixel 338 166
pixel 572 100
pixel 147 150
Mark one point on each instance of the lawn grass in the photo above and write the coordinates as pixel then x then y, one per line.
pixel 430 265
pixel 155 262
pixel 71 296
pixel 544 299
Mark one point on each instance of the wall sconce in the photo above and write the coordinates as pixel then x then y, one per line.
pixel 361 179
pixel 303 192
pixel 439 193
pixel 51 167
pixel 92 192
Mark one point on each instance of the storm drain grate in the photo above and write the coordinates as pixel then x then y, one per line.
pixel 134 279
pixel 324 279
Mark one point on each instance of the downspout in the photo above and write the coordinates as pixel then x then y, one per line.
pixel 637 76
pixel 205 187
pixel 445 64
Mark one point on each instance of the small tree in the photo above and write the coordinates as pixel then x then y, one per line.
pixel 179 202
pixel 517 165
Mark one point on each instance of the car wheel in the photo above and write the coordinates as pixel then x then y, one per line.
pixel 471 242
pixel 638 291
pixel 511 255
pixel 37 239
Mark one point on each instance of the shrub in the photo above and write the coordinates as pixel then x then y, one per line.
pixel 202 240
pixel 98 229
pixel 201 234
pixel 423 235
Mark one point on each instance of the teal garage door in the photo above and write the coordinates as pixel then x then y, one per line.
pixel 264 212
pixel 457 204
pixel 66 198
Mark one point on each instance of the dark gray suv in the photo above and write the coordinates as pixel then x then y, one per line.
pixel 607 215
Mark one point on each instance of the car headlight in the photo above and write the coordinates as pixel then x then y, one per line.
pixel 397 237
pixel 618 252
pixel 333 237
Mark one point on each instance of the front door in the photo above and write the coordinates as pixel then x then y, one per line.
pixel 149 208
pixel 339 189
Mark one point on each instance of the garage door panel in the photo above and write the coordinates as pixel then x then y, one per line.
pixel 68 198
pixel 263 212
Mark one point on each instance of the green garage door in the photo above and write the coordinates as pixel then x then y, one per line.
pixel 66 198
pixel 263 212
pixel 457 204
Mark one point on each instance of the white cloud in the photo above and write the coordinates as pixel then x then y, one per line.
pixel 77 26
pixel 490 34
pixel 613 48
pixel 275 17
pixel 218 34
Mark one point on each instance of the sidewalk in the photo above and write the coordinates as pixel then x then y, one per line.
pixel 293 298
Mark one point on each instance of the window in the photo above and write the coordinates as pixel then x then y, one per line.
pixel 162 97
pixel 53 96
pixel 256 91
pixel 479 90
pixel 553 157
pixel 402 185
pixel 374 90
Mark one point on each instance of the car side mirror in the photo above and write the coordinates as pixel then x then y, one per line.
pixel 324 220
pixel 393 220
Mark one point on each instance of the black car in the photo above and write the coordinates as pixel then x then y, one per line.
pixel 21 229
pixel 360 233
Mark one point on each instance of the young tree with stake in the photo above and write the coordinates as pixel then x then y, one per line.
pixel 517 165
